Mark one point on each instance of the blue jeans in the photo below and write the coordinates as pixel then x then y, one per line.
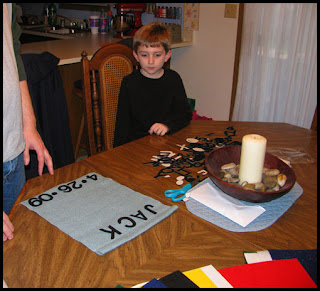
pixel 14 178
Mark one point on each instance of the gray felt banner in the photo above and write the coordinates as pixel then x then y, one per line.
pixel 98 212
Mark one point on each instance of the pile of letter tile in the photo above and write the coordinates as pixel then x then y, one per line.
pixel 194 156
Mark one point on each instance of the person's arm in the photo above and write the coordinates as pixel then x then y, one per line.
pixel 181 111
pixel 32 137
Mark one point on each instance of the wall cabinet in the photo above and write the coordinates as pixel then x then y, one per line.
pixel 171 14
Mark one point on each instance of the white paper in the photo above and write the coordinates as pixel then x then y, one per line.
pixel 226 205
pixel 214 275
pixel 257 257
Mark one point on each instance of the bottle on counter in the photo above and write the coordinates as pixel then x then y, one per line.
pixel 52 18
pixel 103 22
pixel 86 23
pixel 109 14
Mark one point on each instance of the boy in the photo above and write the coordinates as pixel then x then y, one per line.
pixel 152 100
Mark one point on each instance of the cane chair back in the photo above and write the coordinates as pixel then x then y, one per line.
pixel 101 81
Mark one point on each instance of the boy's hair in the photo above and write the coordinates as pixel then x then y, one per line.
pixel 153 34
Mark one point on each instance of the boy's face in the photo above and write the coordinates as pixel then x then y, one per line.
pixel 151 60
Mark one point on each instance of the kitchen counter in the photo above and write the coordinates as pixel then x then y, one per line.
pixel 69 48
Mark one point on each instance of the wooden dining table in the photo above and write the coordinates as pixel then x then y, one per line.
pixel 41 255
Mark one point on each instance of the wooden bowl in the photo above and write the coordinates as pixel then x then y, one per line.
pixel 231 154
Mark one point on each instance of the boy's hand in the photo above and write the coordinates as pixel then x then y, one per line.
pixel 158 129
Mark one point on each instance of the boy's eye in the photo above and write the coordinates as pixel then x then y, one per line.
pixel 144 55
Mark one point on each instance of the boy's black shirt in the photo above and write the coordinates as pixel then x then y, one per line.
pixel 144 101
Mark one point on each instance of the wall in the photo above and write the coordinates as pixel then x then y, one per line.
pixel 207 67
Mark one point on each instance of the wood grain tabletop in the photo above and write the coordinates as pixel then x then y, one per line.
pixel 41 255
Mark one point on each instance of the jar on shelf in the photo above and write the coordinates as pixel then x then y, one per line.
pixel 159 11
pixel 164 12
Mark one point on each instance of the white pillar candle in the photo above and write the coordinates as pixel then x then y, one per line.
pixel 253 151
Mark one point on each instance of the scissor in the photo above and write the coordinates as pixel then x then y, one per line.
pixel 180 194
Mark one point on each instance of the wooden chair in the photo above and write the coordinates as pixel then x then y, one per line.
pixel 101 81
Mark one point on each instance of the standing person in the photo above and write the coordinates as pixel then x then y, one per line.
pixel 152 100
pixel 19 123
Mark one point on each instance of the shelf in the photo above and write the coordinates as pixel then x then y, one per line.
pixel 168 18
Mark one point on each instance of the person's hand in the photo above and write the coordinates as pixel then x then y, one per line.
pixel 31 135
pixel 7 228
pixel 34 142
pixel 158 129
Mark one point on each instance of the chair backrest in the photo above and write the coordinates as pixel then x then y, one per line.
pixel 101 81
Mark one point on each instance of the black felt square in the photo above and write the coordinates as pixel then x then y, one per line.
pixel 177 280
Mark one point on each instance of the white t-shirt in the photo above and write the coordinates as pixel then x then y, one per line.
pixel 13 139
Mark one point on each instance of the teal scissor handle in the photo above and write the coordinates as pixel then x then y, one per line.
pixel 179 194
